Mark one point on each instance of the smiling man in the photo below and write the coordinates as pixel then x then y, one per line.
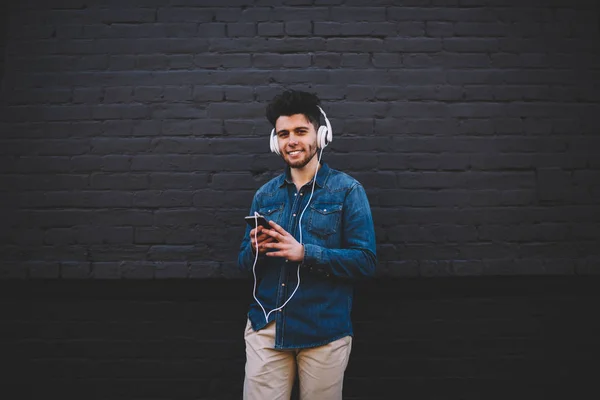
pixel 321 239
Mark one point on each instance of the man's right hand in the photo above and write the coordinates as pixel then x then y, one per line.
pixel 262 239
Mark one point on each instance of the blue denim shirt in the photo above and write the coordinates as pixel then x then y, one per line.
pixel 339 246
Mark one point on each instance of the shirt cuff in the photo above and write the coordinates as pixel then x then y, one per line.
pixel 313 260
pixel 312 254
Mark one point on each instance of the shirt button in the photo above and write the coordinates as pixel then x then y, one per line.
pixel 295 194
pixel 283 284
pixel 294 215
pixel 301 194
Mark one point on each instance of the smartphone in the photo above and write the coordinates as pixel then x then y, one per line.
pixel 262 221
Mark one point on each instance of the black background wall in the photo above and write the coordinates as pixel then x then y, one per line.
pixel 133 138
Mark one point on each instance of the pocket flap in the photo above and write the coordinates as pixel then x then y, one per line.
pixel 325 208
pixel 268 210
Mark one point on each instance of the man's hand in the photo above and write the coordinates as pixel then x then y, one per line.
pixel 262 239
pixel 285 244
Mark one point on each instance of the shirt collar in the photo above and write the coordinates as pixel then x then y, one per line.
pixel 321 176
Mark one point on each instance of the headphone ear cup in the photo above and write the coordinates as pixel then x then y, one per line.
pixel 322 137
pixel 273 142
pixel 329 135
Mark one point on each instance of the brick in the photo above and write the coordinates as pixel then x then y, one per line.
pixel 75 270
pixel 413 45
pixel 181 61
pixel 354 44
pixel 13 270
pixel 371 14
pixel 227 180
pixel 148 94
pixel 204 269
pixel 270 29
pixel 160 163
pixel 300 14
pixel 179 111
pixel 184 14
pixel 183 217
pixel 255 14
pixel 87 95
pixel 118 95
pixel 481 29
pixel 222 198
pixel 121 62
pixel 386 60
pixel 119 181
pixel 231 110
pixel 149 235
pixel 439 29
pixel 298 28
pixel 471 45
pixel 137 269
pixel 151 62
pixel 161 199
pixel 181 127
pixel 113 146
pixel 552 184
pixel 105 112
pixel 238 93
pixel 327 60
pixel 176 252
pixel 243 29
pixel 242 127
pixel 173 180
pixel 112 234
pixel 177 93
pixel 41 164
pixel 171 270
pixel 208 93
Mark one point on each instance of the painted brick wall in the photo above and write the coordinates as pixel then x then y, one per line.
pixel 133 133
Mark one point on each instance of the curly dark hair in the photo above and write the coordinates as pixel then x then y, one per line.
pixel 293 102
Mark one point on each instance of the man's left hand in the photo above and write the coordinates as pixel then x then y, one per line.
pixel 286 245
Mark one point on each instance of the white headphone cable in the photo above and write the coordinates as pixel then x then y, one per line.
pixel 300 229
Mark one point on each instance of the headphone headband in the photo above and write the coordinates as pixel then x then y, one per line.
pixel 324 135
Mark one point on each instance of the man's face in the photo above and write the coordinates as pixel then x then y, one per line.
pixel 297 139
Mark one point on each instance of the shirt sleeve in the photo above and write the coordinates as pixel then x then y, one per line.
pixel 246 256
pixel 357 257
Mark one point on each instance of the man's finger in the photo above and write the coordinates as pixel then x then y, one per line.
pixel 274 234
pixel 276 254
pixel 277 228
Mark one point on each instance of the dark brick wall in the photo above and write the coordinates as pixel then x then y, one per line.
pixel 447 338
pixel 133 134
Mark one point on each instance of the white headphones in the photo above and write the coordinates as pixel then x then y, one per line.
pixel 324 135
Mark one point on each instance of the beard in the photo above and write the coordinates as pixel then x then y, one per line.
pixel 306 156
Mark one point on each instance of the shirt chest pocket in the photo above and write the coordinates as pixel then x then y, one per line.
pixel 325 219
pixel 272 212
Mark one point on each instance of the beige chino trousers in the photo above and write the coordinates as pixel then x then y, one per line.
pixel 270 373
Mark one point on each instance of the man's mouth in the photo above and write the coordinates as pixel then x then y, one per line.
pixel 295 152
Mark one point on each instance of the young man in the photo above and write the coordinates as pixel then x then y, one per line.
pixel 321 238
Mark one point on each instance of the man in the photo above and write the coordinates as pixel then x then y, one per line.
pixel 321 238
